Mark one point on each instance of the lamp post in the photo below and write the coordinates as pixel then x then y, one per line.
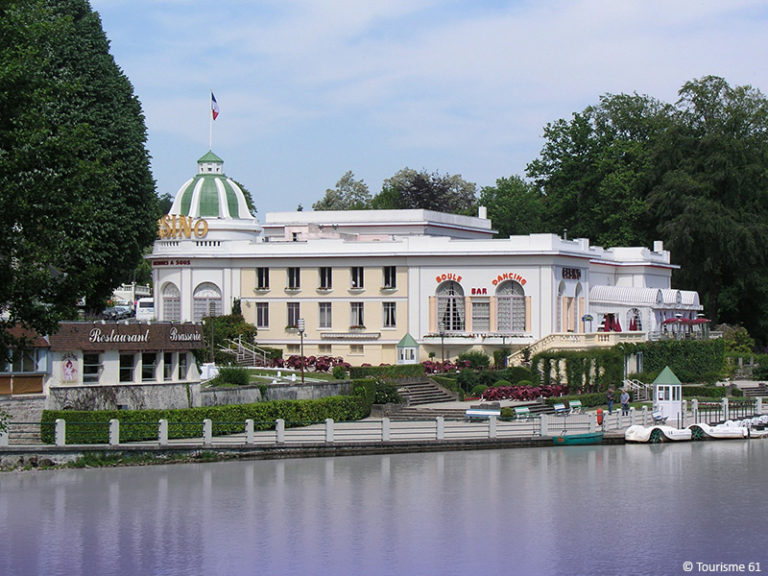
pixel 212 311
pixel 441 326
pixel 301 336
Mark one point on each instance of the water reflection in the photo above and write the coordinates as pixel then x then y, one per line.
pixel 561 510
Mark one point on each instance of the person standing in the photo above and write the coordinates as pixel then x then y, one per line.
pixel 609 397
pixel 624 399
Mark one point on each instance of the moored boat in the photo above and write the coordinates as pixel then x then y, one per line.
pixel 655 434
pixel 578 439
pixel 728 430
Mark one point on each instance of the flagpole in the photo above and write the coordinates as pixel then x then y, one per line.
pixel 210 123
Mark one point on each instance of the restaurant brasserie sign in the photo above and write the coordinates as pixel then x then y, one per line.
pixel 131 336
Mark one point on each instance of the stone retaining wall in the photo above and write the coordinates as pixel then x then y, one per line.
pixel 126 396
pixel 222 396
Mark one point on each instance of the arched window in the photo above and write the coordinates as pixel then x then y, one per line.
pixel 171 303
pixel 510 307
pixel 206 295
pixel 450 307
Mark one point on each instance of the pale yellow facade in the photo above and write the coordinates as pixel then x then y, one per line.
pixel 332 301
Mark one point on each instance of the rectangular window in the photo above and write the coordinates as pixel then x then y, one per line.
pixel 294 278
pixel 126 367
pixel 481 315
pixel 91 368
pixel 356 349
pixel 390 276
pixel 24 361
pixel 325 349
pixel 293 349
pixel 168 366
pixel 357 319
pixel 262 314
pixel 357 277
pixel 325 315
pixel 183 366
pixel 262 278
pixel 148 366
pixel 326 278
pixel 390 314
pixel 294 313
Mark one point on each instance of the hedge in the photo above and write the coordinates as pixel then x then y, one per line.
pixel 690 360
pixel 388 372
pixel 92 426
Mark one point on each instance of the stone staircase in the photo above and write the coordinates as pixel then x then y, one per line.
pixel 424 391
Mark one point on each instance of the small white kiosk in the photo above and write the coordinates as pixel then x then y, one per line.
pixel 668 395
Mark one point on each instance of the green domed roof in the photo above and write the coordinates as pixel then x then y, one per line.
pixel 210 194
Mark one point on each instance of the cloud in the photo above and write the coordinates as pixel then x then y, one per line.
pixel 449 82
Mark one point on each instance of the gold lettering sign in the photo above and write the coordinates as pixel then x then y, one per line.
pixel 175 226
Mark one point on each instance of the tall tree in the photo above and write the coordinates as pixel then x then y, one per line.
pixel 77 201
pixel 349 194
pixel 514 206
pixel 711 203
pixel 596 170
pixel 430 191
pixel 694 174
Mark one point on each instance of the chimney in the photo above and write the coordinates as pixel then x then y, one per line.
pixel 658 246
pixel 482 212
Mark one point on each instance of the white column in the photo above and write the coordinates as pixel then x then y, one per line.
pixel 162 432
pixel 280 430
pixel 544 424
pixel 385 429
pixel 60 433
pixel 207 431
pixel 440 431
pixel 492 426
pixel 249 436
pixel 114 432
pixel 329 430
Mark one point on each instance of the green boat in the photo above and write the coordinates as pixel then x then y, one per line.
pixel 577 439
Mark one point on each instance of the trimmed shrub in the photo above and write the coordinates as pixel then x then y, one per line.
pixel 386 393
pixel 478 390
pixel 467 379
pixel 92 426
pixel 475 359
pixel 388 372
pixel 232 376
pixel 502 383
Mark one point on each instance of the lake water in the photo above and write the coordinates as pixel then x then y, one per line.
pixel 634 509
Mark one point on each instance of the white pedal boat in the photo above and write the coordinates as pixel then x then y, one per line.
pixel 656 433
pixel 728 430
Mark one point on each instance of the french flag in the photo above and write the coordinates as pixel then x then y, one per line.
pixel 214 107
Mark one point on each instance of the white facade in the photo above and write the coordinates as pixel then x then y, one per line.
pixel 363 280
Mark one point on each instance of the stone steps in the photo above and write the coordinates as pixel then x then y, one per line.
pixel 425 392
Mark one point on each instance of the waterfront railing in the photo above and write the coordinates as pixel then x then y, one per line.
pixel 279 432
pixel 369 430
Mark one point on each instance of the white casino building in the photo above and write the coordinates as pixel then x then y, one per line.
pixel 396 285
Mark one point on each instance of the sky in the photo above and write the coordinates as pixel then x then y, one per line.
pixel 310 89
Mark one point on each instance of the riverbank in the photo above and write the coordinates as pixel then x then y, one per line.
pixel 103 455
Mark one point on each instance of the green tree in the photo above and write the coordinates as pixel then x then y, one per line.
pixel 694 174
pixel 429 191
pixel 349 194
pixel 77 201
pixel 737 339
pixel 248 199
pixel 514 206
pixel 596 170
pixel 711 202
